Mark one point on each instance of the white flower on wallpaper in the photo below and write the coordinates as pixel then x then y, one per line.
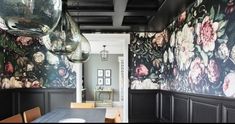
pixel 38 57
pixel 145 84
pixel 170 55
pixel 229 85
pixel 223 52
pixel 52 59
pixel 172 40
pixel 165 57
pixel 232 54
pixel 184 47
pixel 3 24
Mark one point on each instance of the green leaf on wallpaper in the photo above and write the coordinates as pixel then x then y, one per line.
pixel 212 13
pixel 1 61
pixel 222 24
pixel 210 54
pixel 219 17
pixel 203 55
pixel 222 40
pixel 220 32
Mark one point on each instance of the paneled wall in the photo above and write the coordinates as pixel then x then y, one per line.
pixel 15 101
pixel 169 106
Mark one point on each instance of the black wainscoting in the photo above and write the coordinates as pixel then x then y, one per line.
pixel 143 106
pixel 15 101
pixel 179 107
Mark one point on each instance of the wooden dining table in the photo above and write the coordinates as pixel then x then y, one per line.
pixel 90 115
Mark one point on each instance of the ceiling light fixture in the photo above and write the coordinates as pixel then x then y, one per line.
pixel 66 36
pixel 104 54
pixel 34 18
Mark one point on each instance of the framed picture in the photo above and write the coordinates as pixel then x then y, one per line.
pixel 108 73
pixel 108 81
pixel 100 81
pixel 100 72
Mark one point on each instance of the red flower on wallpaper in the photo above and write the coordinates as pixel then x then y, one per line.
pixel 25 41
pixel 213 71
pixel 197 70
pixel 229 85
pixel 207 35
pixel 9 67
pixel 230 7
pixel 141 70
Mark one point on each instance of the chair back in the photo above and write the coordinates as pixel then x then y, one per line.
pixel 116 119
pixel 31 114
pixel 82 105
pixel 13 119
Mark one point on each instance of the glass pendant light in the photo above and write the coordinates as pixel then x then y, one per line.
pixel 104 54
pixel 32 18
pixel 81 54
pixel 66 36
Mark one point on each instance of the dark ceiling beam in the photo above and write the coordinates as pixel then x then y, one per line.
pixel 99 28
pixel 74 13
pixel 119 10
pixel 139 13
pixel 168 9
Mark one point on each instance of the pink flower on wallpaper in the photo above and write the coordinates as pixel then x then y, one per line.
pixel 197 71
pixel 36 84
pixel 230 7
pixel 160 39
pixel 182 17
pixel 175 70
pixel 213 71
pixel 206 32
pixel 62 71
pixel 229 85
pixel 25 41
pixel 141 70
pixel 9 67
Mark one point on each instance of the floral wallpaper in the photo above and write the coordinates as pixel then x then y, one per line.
pixel 26 63
pixel 194 54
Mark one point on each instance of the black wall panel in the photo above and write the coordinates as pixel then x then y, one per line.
pixel 55 99
pixel 15 101
pixel 165 107
pixel 203 112
pixel 179 107
pixel 143 106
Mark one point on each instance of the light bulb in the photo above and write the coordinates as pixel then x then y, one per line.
pixel 81 54
pixel 33 18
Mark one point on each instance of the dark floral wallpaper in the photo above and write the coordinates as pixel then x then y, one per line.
pixel 195 53
pixel 26 63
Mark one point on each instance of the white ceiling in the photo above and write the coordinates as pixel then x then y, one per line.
pixel 114 43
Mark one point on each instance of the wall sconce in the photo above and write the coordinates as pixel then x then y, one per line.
pixel 104 54
pixel 33 18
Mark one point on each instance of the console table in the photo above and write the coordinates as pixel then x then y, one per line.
pixel 103 102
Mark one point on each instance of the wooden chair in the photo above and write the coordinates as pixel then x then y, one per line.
pixel 82 105
pixel 13 119
pixel 31 114
pixel 116 119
